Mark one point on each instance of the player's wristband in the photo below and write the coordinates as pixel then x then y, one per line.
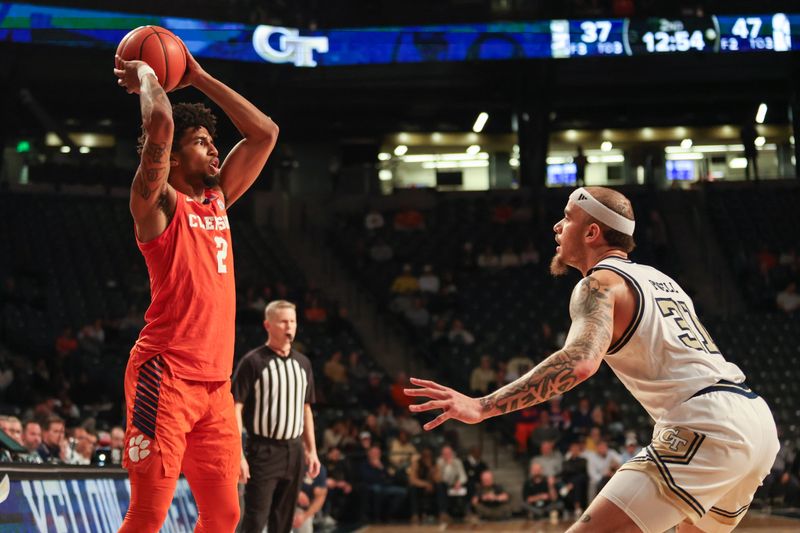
pixel 143 71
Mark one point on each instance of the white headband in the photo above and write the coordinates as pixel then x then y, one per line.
pixel 588 203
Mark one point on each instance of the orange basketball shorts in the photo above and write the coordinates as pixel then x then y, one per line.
pixel 175 425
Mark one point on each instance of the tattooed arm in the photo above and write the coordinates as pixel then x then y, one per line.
pixel 592 310
pixel 152 200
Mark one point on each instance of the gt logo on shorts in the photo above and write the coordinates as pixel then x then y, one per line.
pixel 669 436
pixel 137 448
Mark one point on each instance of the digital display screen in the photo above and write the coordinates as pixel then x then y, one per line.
pixel 23 23
pixel 587 37
pixel 755 33
pixel 680 170
pixel 563 174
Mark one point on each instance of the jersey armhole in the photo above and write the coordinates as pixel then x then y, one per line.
pixel 154 243
pixel 637 313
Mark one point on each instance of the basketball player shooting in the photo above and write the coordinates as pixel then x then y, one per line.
pixel 714 439
pixel 180 413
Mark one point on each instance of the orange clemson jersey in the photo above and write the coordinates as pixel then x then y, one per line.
pixel 191 318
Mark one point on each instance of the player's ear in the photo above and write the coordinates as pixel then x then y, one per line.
pixel 173 159
pixel 593 231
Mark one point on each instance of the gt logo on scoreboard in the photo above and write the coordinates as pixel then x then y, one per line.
pixel 285 45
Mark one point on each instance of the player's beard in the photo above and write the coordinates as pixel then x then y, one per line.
pixel 211 181
pixel 558 267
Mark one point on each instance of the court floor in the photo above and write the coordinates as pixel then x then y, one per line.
pixel 752 523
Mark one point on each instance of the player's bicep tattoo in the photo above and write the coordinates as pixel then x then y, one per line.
pixel 592 311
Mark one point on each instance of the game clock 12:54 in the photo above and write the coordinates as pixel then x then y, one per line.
pixel 662 35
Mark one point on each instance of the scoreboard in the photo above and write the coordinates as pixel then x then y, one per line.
pixel 709 34
pixel 495 41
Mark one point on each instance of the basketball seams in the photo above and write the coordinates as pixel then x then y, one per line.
pixel 177 43
pixel 166 59
pixel 136 45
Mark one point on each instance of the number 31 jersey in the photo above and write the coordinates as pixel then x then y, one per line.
pixel 191 318
pixel 665 355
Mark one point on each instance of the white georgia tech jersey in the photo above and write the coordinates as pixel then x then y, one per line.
pixel 665 354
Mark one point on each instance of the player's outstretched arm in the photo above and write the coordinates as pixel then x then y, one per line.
pixel 592 310
pixel 151 196
pixel 245 162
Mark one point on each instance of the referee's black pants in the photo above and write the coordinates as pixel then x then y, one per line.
pixel 270 496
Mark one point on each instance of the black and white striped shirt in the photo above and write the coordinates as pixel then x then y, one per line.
pixel 274 391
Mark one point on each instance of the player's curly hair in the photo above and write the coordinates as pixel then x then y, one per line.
pixel 186 116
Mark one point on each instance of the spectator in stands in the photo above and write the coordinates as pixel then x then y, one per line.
pixel 538 493
pixel 631 448
pixel 405 282
pixel 601 463
pixel 373 428
pixel 401 450
pixel 439 333
pixel 544 431
pixel 458 334
pixel 526 421
pixel 408 423
pixel 339 481
pixel 788 300
pixel 749 135
pixel 491 501
pixel 482 376
pixel 335 371
pixel 81 447
pixel 133 321
pixel 575 479
pixel 6 374
pixel 580 161
pixel 66 343
pixel 32 436
pixel 375 393
pixel 13 428
pixel 530 255
pixel 488 259
pixel 92 337
pixel 399 398
pixel 593 438
pixel 454 478
pixel 425 485
pixel 51 449
pixel 357 371
pixel 117 444
pixel 581 417
pixel 550 459
pixel 409 220
pixel 502 213
pixel 373 221
pixel 428 281
pixel 386 420
pixel 380 251
pixel 315 312
pixel 559 417
pixel 474 467
pixel 518 366
pixel 381 498
pixel 310 500
pixel 334 435
pixel 781 486
pixel 418 316
pixel 509 258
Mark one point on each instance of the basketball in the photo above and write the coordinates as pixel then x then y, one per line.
pixel 159 48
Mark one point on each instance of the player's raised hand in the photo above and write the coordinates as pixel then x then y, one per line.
pixel 193 70
pixel 452 403
pixel 127 73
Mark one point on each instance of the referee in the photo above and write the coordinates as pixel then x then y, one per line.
pixel 273 389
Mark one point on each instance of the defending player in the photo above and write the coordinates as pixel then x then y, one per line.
pixel 177 385
pixel 714 439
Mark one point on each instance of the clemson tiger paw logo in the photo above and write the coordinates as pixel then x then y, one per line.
pixel 137 448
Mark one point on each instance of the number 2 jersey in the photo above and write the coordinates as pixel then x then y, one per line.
pixel 665 355
pixel 191 318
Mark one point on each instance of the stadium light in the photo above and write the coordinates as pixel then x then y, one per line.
pixel 760 141
pixel 480 122
pixel 686 144
pixel 384 156
pixel 473 149
pixel 606 146
pixel 761 114
pixel 401 150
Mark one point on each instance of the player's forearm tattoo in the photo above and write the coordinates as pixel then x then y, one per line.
pixel 154 152
pixel 589 337
pixel 142 188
